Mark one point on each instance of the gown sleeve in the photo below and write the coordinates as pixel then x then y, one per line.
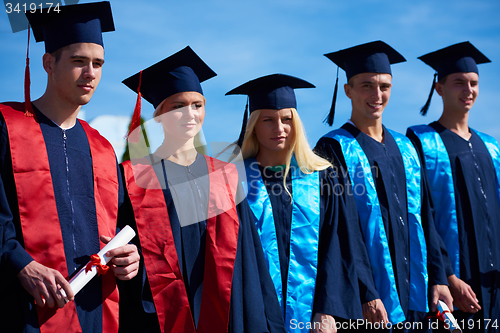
pixel 431 232
pixel 137 309
pixel 341 252
pixel 253 296
pixel 330 149
pixel 13 257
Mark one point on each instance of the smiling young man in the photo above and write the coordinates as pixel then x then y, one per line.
pixel 384 171
pixel 60 187
pixel 463 166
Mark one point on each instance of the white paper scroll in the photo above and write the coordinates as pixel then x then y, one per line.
pixel 82 278
pixel 450 321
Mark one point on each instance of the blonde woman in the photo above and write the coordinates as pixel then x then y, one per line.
pixel 200 270
pixel 299 211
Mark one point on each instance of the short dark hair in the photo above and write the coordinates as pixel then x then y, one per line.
pixel 58 53
pixel 350 82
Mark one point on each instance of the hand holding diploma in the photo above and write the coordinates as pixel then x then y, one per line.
pixel 47 286
pixel 447 317
pixel 440 292
pixel 123 260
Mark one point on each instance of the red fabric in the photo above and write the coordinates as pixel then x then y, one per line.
pixel 136 117
pixel 221 246
pixel 106 204
pixel 28 109
pixel 38 211
pixel 162 264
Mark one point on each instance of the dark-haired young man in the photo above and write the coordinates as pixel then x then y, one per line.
pixel 60 187
pixel 463 168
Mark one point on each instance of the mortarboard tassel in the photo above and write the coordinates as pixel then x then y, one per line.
pixel 239 143
pixel 331 114
pixel 425 108
pixel 28 109
pixel 136 117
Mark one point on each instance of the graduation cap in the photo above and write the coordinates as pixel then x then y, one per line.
pixel 457 58
pixel 182 71
pixel 275 91
pixel 83 23
pixel 373 57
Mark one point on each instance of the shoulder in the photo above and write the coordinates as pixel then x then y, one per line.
pixel 216 164
pixel 11 106
pixel 486 137
pixel 11 109
pixel 401 140
pixel 94 135
pixel 420 129
pixel 328 148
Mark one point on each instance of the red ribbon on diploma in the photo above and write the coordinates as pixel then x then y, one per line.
pixel 95 260
pixel 441 316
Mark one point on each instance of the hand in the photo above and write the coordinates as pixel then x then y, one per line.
pixel 326 324
pixel 125 261
pixel 441 292
pixel 464 297
pixel 374 311
pixel 44 285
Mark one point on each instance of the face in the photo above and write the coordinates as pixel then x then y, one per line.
pixel 274 130
pixel 369 94
pixel 459 91
pixel 77 73
pixel 182 114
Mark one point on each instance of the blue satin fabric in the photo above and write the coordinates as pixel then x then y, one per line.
pixel 304 238
pixel 418 253
pixel 437 162
pixel 372 225
pixel 494 150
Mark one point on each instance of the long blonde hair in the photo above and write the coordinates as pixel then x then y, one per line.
pixel 307 160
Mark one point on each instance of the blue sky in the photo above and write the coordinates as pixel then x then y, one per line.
pixel 242 40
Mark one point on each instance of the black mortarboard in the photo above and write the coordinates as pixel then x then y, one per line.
pixel 373 57
pixel 182 71
pixel 457 58
pixel 81 23
pixel 273 91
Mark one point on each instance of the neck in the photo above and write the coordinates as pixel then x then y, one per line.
pixel 178 151
pixel 271 158
pixel 63 114
pixel 371 127
pixel 457 122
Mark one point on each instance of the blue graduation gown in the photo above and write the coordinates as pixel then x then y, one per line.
pixel 478 217
pixel 253 307
pixel 337 287
pixel 388 171
pixel 72 176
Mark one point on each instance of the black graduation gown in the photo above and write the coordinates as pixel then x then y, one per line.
pixel 254 306
pixel 388 171
pixel 72 177
pixel 478 217
pixel 337 290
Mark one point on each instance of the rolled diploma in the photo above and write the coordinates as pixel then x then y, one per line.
pixel 450 319
pixel 82 278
